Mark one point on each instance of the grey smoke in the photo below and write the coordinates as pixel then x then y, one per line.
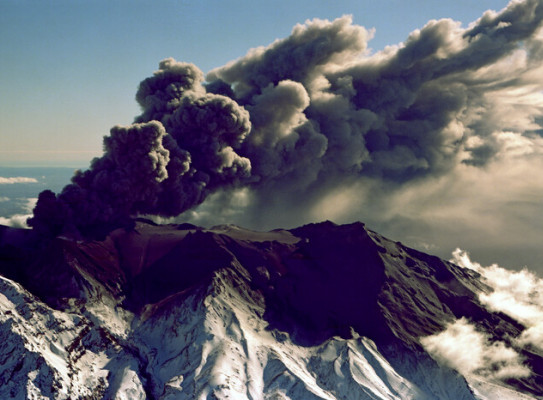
pixel 409 113
pixel 290 124
pixel 179 150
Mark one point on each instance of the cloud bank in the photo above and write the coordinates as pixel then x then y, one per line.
pixel 518 294
pixel 16 179
pixel 462 346
pixel 19 220
pixel 16 221
pixel 471 352
pixel 314 126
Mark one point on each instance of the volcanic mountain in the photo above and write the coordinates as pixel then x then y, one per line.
pixel 182 312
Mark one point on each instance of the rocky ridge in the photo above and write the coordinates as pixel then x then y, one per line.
pixel 181 312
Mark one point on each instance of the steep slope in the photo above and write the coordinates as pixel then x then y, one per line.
pixel 180 312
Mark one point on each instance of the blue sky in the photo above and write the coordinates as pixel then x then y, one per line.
pixel 69 70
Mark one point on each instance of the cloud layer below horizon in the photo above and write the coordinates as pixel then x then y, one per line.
pixel 16 179
pixel 438 137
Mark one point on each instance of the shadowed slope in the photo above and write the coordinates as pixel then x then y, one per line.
pixel 310 284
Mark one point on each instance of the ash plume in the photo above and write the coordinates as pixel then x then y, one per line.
pixel 310 115
pixel 180 149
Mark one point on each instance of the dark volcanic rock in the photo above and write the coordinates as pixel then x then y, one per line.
pixel 315 282
pixel 320 282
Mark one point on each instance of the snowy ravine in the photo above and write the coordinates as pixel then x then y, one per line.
pixel 179 312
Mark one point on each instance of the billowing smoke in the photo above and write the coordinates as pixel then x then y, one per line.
pixel 180 149
pixel 312 116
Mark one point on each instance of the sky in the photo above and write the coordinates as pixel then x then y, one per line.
pixel 428 131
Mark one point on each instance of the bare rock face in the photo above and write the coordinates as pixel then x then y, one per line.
pixel 180 312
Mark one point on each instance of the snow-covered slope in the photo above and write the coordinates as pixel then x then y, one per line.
pixel 179 312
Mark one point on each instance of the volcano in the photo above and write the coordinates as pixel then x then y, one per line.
pixel 323 311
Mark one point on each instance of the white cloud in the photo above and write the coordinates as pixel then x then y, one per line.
pixel 15 221
pixel 16 179
pixel 30 203
pixel 462 347
pixel 4 199
pixel 519 294
pixel 19 220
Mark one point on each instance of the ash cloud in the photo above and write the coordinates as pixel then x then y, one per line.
pixel 314 125
pixel 180 149
pixel 432 106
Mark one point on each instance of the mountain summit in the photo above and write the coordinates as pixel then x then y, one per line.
pixel 182 312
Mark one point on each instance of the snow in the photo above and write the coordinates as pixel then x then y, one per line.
pixel 211 344
pixel 240 233
pixel 485 390
pixel 209 341
pixel 231 354
pixel 127 385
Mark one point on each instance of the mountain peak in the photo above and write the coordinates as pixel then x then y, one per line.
pixel 335 296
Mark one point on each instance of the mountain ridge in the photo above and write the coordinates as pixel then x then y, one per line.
pixel 317 290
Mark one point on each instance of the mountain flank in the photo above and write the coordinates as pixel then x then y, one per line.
pixel 323 311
